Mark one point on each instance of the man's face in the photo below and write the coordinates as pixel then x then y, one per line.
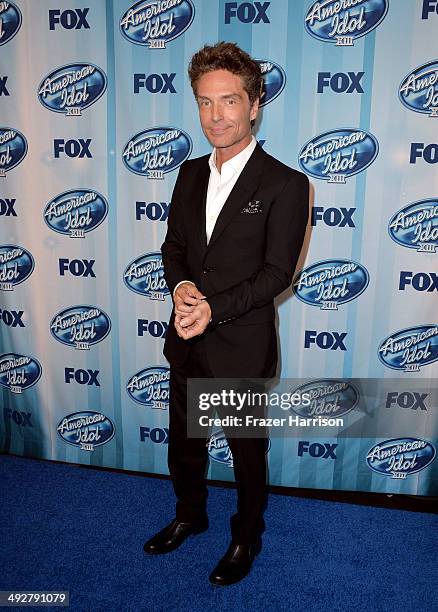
pixel 225 111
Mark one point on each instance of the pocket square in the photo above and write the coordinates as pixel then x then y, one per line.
pixel 255 207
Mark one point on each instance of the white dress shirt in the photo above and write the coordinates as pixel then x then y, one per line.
pixel 220 185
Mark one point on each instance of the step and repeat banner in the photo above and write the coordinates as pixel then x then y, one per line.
pixel 96 117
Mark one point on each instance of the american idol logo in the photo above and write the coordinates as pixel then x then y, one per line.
pixel 342 21
pixel 156 151
pixel 150 387
pixel 410 348
pixel 219 450
pixel 328 397
pixel 339 154
pixel 419 89
pixel 400 457
pixel 145 275
pixel 10 21
pixel 86 430
pixel 154 23
pixel 76 212
pixel 416 226
pixel 72 88
pixel 19 372
pixel 274 80
pixel 13 149
pixel 80 326
pixel 16 265
pixel 331 282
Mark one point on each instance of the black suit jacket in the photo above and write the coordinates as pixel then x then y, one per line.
pixel 250 259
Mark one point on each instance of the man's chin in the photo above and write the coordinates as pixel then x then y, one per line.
pixel 220 142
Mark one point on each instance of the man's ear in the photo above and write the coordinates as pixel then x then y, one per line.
pixel 254 109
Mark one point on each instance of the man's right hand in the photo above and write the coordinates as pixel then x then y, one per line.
pixel 185 298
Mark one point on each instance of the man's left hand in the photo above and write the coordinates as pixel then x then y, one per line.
pixel 194 323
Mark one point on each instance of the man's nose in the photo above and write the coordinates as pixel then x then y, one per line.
pixel 216 112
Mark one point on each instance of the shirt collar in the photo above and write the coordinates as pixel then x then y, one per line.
pixel 236 163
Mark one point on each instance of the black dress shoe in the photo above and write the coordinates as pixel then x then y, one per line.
pixel 172 536
pixel 236 563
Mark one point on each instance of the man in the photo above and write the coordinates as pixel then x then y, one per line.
pixel 235 231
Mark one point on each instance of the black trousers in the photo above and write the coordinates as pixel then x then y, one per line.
pixel 187 460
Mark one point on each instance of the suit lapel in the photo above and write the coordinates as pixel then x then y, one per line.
pixel 199 200
pixel 241 194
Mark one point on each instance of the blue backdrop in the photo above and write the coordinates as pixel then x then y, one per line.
pixel 97 114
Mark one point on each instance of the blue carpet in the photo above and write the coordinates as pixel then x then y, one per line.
pixel 65 527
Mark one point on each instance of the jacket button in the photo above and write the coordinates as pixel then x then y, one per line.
pixel 207 270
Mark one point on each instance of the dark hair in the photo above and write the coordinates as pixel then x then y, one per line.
pixel 227 56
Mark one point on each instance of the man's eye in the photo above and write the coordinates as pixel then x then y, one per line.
pixel 231 102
